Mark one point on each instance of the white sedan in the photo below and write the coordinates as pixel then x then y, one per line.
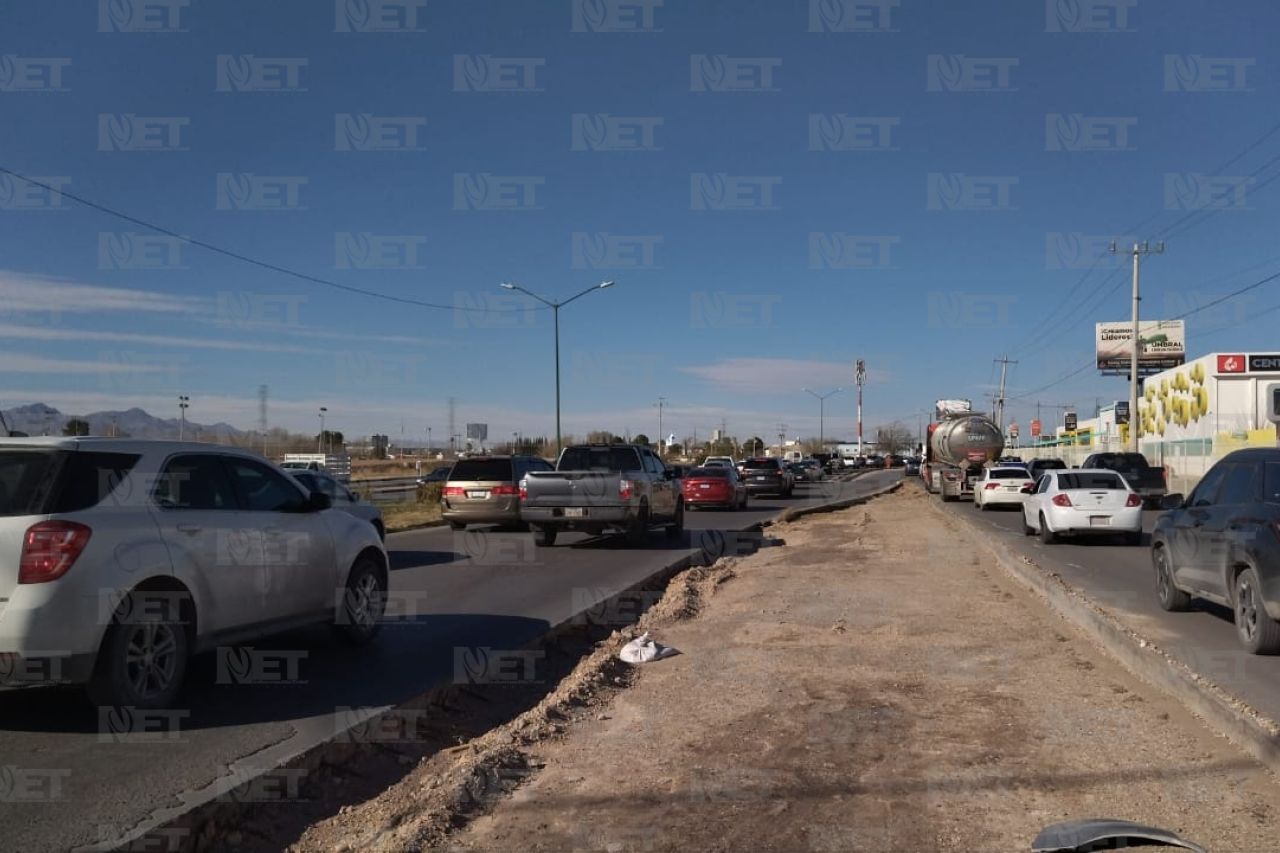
pixel 1082 501
pixel 1001 485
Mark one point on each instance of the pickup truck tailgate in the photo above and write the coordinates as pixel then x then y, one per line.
pixel 571 488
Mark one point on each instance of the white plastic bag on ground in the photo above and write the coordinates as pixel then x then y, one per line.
pixel 642 650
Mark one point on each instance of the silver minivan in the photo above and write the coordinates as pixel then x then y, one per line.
pixel 486 489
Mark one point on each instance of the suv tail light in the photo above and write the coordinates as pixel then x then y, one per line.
pixel 49 549
pixel 989 486
pixel 504 489
pixel 1134 499
pixel 624 489
pixel 1061 500
pixel 453 491
pixel 524 490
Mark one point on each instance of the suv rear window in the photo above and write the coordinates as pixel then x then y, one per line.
pixel 762 464
pixel 482 469
pixel 600 459
pixel 1090 481
pixel 39 482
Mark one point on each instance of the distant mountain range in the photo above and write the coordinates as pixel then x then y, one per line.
pixel 39 419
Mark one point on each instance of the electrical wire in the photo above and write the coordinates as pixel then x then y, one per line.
pixel 246 259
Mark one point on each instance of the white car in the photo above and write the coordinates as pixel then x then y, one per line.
pixel 120 558
pixel 1082 502
pixel 1001 485
pixel 712 461
pixel 342 498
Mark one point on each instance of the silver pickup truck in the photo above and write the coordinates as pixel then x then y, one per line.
pixel 603 487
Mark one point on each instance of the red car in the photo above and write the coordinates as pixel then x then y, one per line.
pixel 716 486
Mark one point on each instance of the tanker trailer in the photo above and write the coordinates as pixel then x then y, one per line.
pixel 960 444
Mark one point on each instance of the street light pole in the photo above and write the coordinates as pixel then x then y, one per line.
pixel 1138 250
pixel 860 375
pixel 183 402
pixel 822 400
pixel 555 310
pixel 320 438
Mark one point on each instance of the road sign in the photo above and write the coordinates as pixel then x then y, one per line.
pixel 1070 422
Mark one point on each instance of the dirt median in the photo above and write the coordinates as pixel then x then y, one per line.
pixel 876 684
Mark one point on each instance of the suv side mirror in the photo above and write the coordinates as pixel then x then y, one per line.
pixel 317 501
pixel 1173 501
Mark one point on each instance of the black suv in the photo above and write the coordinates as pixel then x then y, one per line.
pixel 767 475
pixel 1223 544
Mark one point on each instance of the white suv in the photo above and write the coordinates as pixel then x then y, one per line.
pixel 120 558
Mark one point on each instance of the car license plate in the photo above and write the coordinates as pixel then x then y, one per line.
pixel 761 477
pixel 1012 488
pixel 704 485
pixel 574 512
pixel 1100 520
pixel 477 493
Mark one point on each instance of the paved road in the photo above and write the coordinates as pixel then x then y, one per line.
pixel 1120 578
pixel 450 591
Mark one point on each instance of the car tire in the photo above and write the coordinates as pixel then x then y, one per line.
pixel 457 525
pixel 639 528
pixel 544 537
pixel 1047 536
pixel 1258 632
pixel 1027 529
pixel 675 529
pixel 364 602
pixel 1171 598
pixel 745 498
pixel 119 678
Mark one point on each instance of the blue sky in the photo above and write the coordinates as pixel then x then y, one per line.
pixel 778 188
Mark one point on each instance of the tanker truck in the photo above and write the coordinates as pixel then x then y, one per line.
pixel 960 443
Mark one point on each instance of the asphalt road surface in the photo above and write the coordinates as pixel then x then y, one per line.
pixel 1121 579
pixel 71 776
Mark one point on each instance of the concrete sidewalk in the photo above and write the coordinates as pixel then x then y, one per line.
pixel 869 686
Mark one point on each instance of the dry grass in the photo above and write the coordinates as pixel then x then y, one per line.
pixel 407 515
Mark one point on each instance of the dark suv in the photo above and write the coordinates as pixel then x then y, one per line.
pixel 1223 544
pixel 486 489
pixel 767 475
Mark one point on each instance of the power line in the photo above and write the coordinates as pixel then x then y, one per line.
pixel 246 259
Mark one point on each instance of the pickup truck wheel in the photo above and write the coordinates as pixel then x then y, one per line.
pixel 675 529
pixel 1258 631
pixel 639 528
pixel 546 537
pixel 1171 598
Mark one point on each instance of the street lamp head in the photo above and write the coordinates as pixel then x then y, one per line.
pixel 605 284
pixel 508 285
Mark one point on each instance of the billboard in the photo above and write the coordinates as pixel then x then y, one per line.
pixel 945 408
pixel 478 432
pixel 1163 345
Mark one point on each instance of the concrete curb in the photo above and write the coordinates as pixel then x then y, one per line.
pixel 799 512
pixel 1228 715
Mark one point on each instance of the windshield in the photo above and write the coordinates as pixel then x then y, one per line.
pixel 761 464
pixel 714 472
pixel 482 469
pixel 1007 474
pixel 1090 481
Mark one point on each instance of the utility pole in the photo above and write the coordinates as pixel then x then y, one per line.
pixel 782 438
pixel 1138 250
pixel 1004 363
pixel 183 402
pixel 860 375
pixel 662 401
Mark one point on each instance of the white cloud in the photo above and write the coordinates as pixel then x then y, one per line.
pixel 22 363
pixel 48 333
pixel 771 375
pixel 24 293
